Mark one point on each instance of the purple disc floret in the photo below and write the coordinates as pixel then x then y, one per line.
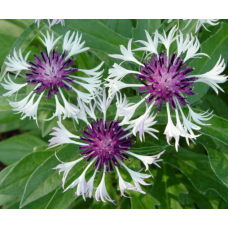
pixel 165 80
pixel 50 72
pixel 107 141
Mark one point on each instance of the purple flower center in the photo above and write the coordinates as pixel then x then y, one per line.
pixel 106 142
pixel 166 80
pixel 50 72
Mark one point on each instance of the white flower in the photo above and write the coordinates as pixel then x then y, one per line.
pixel 105 144
pixel 164 78
pixel 50 73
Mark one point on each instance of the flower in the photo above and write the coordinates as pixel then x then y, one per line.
pixel 106 145
pixel 51 73
pixel 165 78
pixel 200 23
pixel 54 22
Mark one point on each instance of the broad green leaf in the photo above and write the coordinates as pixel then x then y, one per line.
pixel 16 147
pixel 213 102
pixel 6 43
pixel 197 169
pixel 194 196
pixel 218 156
pixel 45 179
pixel 145 24
pixel 16 179
pixel 167 187
pixel 217 130
pixel 5 199
pixel 141 201
pixel 215 46
pixel 120 26
pixel 22 42
pixel 5 171
pixel 148 150
pixel 96 35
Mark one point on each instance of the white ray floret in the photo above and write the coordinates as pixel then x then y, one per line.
pixel 212 77
pixel 49 41
pixel 138 178
pixel 128 112
pixel 121 104
pixel 66 167
pixel 127 54
pixel 17 64
pixel 148 160
pixel 59 111
pixel 150 46
pixel 11 86
pixel 171 130
pixel 167 41
pixel 75 46
pixel 115 86
pixel 118 72
pixel 140 123
pixel 62 136
pixel 101 192
pixel 193 48
pixel 123 185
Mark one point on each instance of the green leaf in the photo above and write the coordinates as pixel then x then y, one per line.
pixel 145 24
pixel 120 26
pixel 218 128
pixel 197 169
pixel 22 42
pixel 167 187
pixel 45 179
pixel 215 46
pixel 96 35
pixel 213 102
pixel 5 199
pixel 16 147
pixel 15 181
pixel 141 201
pixel 218 156
pixel 6 43
pixel 148 150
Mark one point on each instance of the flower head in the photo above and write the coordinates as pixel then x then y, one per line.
pixel 166 78
pixel 51 73
pixel 106 145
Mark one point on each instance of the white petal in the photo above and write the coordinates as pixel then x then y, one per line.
pixel 49 41
pixel 11 86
